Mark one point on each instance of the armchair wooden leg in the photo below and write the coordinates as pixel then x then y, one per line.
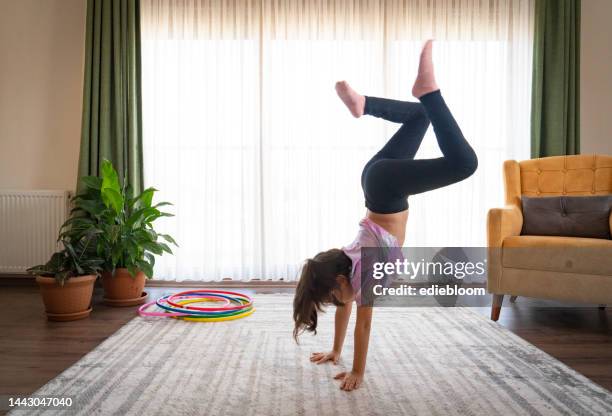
pixel 496 306
pixel 513 299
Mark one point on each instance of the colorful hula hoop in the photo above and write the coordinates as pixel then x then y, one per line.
pixel 232 305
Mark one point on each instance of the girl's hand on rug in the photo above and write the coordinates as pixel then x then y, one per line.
pixel 350 381
pixel 323 357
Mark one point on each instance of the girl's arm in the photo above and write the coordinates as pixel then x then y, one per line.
pixel 352 380
pixel 343 314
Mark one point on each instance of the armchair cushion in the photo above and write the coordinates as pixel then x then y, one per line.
pixel 570 216
pixel 588 256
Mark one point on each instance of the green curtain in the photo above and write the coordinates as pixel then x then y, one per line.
pixel 112 98
pixel 555 109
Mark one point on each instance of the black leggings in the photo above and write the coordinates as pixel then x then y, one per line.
pixel 393 173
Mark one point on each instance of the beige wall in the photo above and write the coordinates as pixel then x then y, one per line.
pixel 596 77
pixel 41 79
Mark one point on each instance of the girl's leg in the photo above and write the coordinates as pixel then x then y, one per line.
pixel 406 141
pixel 388 182
pixel 393 110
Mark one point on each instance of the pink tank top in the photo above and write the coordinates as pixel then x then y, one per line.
pixel 370 235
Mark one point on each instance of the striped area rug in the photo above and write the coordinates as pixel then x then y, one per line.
pixel 422 361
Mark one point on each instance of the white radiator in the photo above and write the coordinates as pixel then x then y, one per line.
pixel 29 224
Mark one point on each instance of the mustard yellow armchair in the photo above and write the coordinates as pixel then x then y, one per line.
pixel 517 264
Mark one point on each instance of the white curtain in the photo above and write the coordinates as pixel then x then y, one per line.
pixel 243 130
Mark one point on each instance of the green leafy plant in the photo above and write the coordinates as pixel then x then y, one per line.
pixel 121 222
pixel 78 258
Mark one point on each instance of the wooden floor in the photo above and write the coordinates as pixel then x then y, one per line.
pixel 33 350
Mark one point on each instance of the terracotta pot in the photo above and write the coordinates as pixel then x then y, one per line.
pixel 69 302
pixel 121 289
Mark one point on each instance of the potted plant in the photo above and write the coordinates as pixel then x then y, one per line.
pixel 66 281
pixel 125 237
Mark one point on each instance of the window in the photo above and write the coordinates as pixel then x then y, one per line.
pixel 244 133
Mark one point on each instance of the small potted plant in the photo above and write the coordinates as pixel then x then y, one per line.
pixel 66 281
pixel 125 237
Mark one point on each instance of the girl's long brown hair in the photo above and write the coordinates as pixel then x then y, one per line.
pixel 314 290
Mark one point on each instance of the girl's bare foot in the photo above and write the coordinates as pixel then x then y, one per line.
pixel 425 81
pixel 350 98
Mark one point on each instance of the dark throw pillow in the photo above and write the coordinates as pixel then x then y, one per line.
pixel 567 216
